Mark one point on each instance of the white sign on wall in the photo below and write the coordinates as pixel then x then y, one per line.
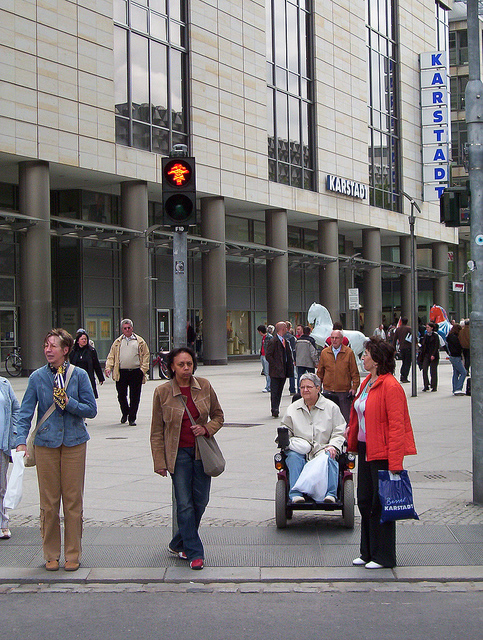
pixel 353 299
pixel 435 121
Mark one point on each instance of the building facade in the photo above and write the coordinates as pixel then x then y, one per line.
pixel 304 118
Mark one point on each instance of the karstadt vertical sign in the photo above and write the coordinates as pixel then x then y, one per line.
pixel 435 122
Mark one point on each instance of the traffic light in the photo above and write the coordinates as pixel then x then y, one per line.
pixel 454 206
pixel 179 192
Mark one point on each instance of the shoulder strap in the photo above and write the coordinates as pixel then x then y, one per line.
pixel 187 410
pixel 68 374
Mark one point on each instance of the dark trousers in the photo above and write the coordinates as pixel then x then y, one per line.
pixel 378 541
pixel 406 363
pixel 467 360
pixel 344 400
pixel 432 365
pixel 276 390
pixel 131 379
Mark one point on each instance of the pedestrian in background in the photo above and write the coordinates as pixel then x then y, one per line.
pixel 176 405
pixel 455 351
pixel 306 356
pixel 464 338
pixel 338 372
pixel 63 397
pixel 379 332
pixel 380 432
pixel 9 409
pixel 128 360
pixel 262 330
pixel 84 355
pixel 402 339
pixel 280 362
pixel 429 356
pixel 290 338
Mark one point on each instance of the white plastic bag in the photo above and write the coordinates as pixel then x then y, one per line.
pixel 314 477
pixel 14 491
pixel 299 445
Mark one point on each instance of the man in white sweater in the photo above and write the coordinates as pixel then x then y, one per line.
pixel 128 360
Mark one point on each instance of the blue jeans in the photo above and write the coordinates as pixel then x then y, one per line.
pixel 459 373
pixel 265 372
pixel 296 462
pixel 192 492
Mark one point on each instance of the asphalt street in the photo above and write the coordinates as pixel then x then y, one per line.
pixel 249 616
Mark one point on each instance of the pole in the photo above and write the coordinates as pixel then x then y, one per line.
pixel 474 120
pixel 151 247
pixel 180 286
pixel 414 306
pixel 414 295
pixel 353 318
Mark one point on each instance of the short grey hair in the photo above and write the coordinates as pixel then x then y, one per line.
pixel 312 377
pixel 127 321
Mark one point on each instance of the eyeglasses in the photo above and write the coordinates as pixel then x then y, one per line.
pixel 307 387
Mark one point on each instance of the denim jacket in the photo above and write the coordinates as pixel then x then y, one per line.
pixel 8 421
pixel 66 428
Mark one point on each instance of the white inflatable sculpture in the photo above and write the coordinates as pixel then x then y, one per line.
pixel 319 317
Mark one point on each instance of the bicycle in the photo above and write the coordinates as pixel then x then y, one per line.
pixel 13 362
pixel 160 360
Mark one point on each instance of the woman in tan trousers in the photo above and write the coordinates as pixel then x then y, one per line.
pixel 63 396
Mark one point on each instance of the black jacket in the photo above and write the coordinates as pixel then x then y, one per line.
pixel 430 346
pixel 454 345
pixel 280 361
pixel 86 358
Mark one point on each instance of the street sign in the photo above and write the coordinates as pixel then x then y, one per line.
pixel 353 299
pixel 459 287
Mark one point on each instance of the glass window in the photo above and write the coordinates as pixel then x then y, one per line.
pixel 458 47
pixel 441 27
pixel 150 75
pixel 289 93
pixel 139 78
pixel 457 92
pixel 383 113
pixel 459 138
pixel 236 229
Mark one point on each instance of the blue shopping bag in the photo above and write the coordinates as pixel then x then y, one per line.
pixel 396 496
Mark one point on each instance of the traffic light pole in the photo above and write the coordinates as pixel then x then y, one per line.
pixel 474 119
pixel 180 286
pixel 414 295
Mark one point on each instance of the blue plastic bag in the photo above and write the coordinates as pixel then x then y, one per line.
pixel 396 496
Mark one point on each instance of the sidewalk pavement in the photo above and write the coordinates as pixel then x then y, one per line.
pixel 127 507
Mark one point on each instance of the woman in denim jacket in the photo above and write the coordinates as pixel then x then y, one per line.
pixel 9 408
pixel 60 446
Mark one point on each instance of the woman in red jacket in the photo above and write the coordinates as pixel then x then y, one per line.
pixel 381 433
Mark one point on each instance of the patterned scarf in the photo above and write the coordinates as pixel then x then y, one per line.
pixel 60 397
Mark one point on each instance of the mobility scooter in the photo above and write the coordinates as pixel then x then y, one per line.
pixel 284 508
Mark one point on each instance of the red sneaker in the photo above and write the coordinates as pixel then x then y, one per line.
pixel 197 564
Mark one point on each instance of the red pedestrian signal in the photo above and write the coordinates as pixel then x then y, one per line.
pixel 179 192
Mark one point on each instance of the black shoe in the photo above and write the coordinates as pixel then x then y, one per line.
pixel 275 414
pixel 433 389
pixel 132 423
pixel 426 389
pixel 123 419
pixel 404 380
